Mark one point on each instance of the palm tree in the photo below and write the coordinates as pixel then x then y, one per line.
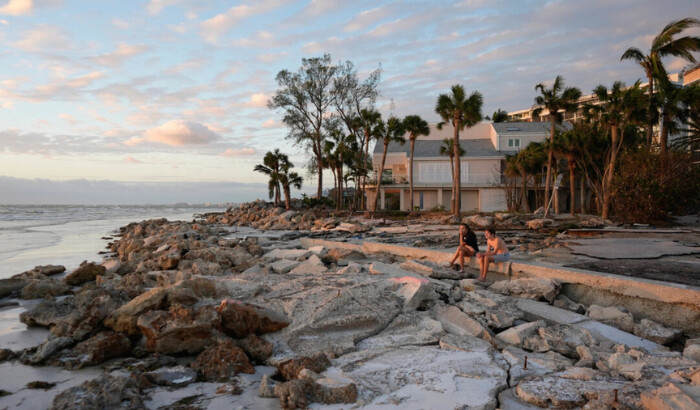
pixel 663 45
pixel 675 102
pixel 391 131
pixel 554 100
pixel 461 112
pixel 288 179
pixel 271 168
pixel 368 119
pixel 447 148
pixel 414 126
pixel 616 109
pixel 569 145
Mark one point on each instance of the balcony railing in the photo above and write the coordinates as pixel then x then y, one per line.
pixel 432 180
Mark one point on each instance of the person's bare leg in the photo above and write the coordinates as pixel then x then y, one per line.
pixel 461 257
pixel 454 258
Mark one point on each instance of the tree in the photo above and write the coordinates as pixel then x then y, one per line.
pixel 271 168
pixel 554 100
pixel 499 116
pixel 663 45
pixel 616 110
pixel 305 98
pixel 569 145
pixel 460 111
pixel 391 131
pixel 675 102
pixel 415 126
pixel 288 179
pixel 447 148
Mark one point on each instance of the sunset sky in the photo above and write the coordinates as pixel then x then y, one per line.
pixel 165 100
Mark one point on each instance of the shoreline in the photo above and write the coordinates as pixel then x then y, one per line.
pixel 329 286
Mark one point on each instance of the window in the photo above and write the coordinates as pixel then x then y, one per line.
pixel 514 143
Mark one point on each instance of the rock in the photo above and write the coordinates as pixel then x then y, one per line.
pixel 565 339
pixel 48 270
pixel 529 288
pixel 614 316
pixel 481 221
pixel 204 268
pixel 409 328
pixel 311 266
pixel 39 354
pixel 7 286
pixel 539 223
pixel 457 322
pixel 124 318
pixel 290 369
pixel 41 288
pixel 515 335
pixel 352 228
pixel 96 350
pixel 692 349
pixel 560 392
pixel 104 392
pixel 563 302
pixel 111 266
pixel 537 363
pixel 257 349
pixel 414 291
pixel 178 330
pixel 653 331
pixel 178 376
pixel 465 343
pixel 672 396
pixel 222 361
pixel 86 272
pixel 6 354
pixel 267 388
pixel 240 319
pixel 283 265
pixel 170 260
pixel 423 377
pixel 336 254
pixel 289 254
pixel 417 267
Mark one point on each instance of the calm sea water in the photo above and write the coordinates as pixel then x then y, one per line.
pixel 32 235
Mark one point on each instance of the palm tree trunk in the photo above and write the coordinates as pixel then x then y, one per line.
pixel 452 172
pixel 458 172
pixel 410 177
pixel 663 142
pixel 525 202
pixel 379 177
pixel 319 164
pixel 607 183
pixel 287 198
pixel 572 185
pixel 548 179
pixel 278 197
pixel 583 195
pixel 650 125
pixel 341 193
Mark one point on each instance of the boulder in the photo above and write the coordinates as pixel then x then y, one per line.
pixel 124 318
pixel 290 254
pixel 7 286
pixel 204 268
pixel 618 317
pixel 692 349
pixel 537 363
pixel 417 267
pixel 560 392
pixel 240 319
pixel 409 328
pixel 283 265
pixel 539 223
pixel 86 272
pixel 178 330
pixel 222 361
pixel 481 221
pixel 178 376
pixel 457 322
pixel 257 349
pixel 414 291
pixel 39 354
pixel 111 266
pixel 96 350
pixel 290 369
pixel 672 396
pixel 564 339
pixel 42 288
pixel 528 288
pixel 169 260
pixel 515 335
pixel 650 330
pixel 104 392
pixel 297 394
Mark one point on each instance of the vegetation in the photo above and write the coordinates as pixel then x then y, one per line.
pixel 331 113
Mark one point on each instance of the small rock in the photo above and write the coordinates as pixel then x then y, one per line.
pixel 650 330
pixel 222 361
pixel 615 316
pixel 104 392
pixel 177 376
pixel 86 272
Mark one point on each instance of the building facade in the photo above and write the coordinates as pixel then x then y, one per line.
pixel 485 145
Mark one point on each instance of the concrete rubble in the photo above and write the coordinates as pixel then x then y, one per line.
pixel 187 306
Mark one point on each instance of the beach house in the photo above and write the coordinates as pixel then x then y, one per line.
pixel 485 145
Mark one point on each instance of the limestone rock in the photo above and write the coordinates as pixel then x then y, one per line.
pixel 409 328
pixel 537 363
pixel 414 291
pixel 672 396
pixel 257 349
pixel 240 319
pixel 86 272
pixel 539 223
pixel 39 354
pixel 104 392
pixel 692 349
pixel 618 317
pixel 283 265
pixel 457 322
pixel 515 335
pixel 560 392
pixel 653 331
pixel 178 330
pixel 222 361
pixel 529 288
pixel 41 288
pixel 289 254
pixel 177 376
pixel 290 369
pixel 481 221
pixel 111 266
pixel 96 350
pixel 7 286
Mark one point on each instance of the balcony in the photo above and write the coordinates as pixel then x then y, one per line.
pixel 471 180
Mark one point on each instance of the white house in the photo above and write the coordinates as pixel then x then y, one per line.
pixel 485 144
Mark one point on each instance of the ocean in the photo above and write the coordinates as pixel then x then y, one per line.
pixel 32 235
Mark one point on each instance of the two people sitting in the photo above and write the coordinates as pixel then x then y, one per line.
pixel 496 250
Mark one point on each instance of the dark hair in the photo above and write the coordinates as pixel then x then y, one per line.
pixel 466 226
pixel 491 231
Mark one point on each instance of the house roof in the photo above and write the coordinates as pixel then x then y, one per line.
pixel 528 127
pixel 431 148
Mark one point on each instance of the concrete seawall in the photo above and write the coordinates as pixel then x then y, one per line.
pixel 670 304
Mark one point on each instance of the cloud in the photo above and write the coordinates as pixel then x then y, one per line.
pixel 68 118
pixel 156 6
pixel 220 24
pixel 271 123
pixel 367 17
pixel 239 152
pixel 16 8
pixel 121 54
pixel 258 100
pixel 132 160
pixel 43 37
pixel 178 133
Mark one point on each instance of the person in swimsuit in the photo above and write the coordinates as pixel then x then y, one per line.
pixel 468 246
pixel 496 251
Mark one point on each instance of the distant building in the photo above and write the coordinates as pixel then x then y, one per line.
pixel 485 144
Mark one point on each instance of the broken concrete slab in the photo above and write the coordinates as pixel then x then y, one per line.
pixel 650 330
pixel 528 288
pixel 535 310
pixel 673 396
pixel 417 267
pixel 612 315
pixel 410 328
pixel 629 248
pixel 459 323
pixel 537 363
pixel 560 392
pixel 291 254
pixel 515 335
pixel 379 268
pixel 414 291
pixel 616 335
pixel 283 265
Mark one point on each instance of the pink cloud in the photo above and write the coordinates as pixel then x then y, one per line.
pixel 177 133
pixel 239 152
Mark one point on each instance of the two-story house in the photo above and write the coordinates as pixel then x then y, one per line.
pixel 485 145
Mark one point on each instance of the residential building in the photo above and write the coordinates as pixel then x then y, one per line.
pixel 485 144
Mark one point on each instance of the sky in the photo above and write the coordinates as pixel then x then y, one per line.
pixel 161 101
